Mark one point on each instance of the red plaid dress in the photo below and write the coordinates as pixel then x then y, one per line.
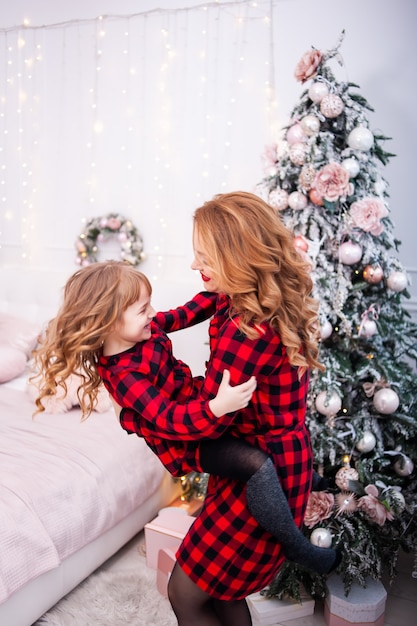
pixel 226 553
pixel 148 380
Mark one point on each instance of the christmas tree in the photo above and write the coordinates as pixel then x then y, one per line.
pixel 325 179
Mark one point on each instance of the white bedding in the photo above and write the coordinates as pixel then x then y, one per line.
pixel 63 483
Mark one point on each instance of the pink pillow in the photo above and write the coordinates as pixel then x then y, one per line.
pixel 19 333
pixel 12 363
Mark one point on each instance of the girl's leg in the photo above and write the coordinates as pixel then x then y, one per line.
pixel 233 458
pixel 191 605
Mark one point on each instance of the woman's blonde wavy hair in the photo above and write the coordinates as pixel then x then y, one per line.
pixel 253 256
pixel 94 299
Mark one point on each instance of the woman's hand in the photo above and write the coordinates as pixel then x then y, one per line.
pixel 230 399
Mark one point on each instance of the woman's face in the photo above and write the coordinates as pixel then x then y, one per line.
pixel 202 264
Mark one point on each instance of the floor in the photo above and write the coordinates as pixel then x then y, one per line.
pixel 401 605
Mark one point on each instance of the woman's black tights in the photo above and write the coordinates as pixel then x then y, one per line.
pixel 194 607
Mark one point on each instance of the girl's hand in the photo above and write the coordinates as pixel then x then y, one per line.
pixel 230 399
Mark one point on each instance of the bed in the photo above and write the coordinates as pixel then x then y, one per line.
pixel 72 493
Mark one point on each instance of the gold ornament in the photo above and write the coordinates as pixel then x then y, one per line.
pixel 344 475
pixel 331 106
pixel 298 153
pixel 307 176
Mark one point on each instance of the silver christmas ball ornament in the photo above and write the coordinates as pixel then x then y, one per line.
pixel 310 125
pixel 404 466
pixel 360 138
pixel 328 404
pixel 297 201
pixel 397 281
pixel 367 442
pixel 317 91
pixel 351 166
pixel 386 401
pixel 326 330
pixel 350 253
pixel 321 537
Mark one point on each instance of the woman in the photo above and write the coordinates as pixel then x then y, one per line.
pixel 265 326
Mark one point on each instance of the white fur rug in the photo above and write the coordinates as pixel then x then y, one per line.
pixel 113 598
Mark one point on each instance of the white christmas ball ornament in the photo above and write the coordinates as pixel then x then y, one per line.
pixel 317 91
pixel 386 401
pixel 328 404
pixel 310 125
pixel 350 253
pixel 326 330
pixel 369 328
pixel 321 537
pixel 397 281
pixel 351 166
pixel 297 201
pixel 404 466
pixel 360 138
pixel 367 442
pixel 295 134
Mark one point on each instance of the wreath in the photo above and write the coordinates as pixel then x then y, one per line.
pixel 98 229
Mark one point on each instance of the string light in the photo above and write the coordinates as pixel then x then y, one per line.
pixel 144 165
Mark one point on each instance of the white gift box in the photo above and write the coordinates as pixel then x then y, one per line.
pixel 362 607
pixel 268 611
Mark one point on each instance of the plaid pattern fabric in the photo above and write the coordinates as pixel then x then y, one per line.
pixel 226 552
pixel 153 386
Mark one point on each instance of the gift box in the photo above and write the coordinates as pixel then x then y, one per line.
pixel 364 606
pixel 167 530
pixel 267 611
pixel 166 562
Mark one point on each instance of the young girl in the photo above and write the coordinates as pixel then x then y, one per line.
pixel 105 330
pixel 265 326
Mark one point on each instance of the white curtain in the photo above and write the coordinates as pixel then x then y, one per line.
pixel 147 115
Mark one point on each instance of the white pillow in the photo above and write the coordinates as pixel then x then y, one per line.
pixel 12 363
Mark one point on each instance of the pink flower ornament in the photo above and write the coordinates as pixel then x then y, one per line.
pixel 113 223
pixel 319 508
pixel 367 213
pixel 307 66
pixel 332 182
pixel 373 508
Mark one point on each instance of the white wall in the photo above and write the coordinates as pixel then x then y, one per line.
pixel 205 142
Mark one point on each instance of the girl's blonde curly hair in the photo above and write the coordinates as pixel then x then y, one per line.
pixel 94 299
pixel 253 256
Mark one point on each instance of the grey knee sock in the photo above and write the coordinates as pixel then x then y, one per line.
pixel 269 506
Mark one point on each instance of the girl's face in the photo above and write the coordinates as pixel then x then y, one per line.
pixel 201 264
pixel 134 324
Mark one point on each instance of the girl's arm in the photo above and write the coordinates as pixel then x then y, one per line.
pixel 195 419
pixel 197 310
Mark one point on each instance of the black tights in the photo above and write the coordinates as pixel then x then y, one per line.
pixel 231 457
pixel 194 607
